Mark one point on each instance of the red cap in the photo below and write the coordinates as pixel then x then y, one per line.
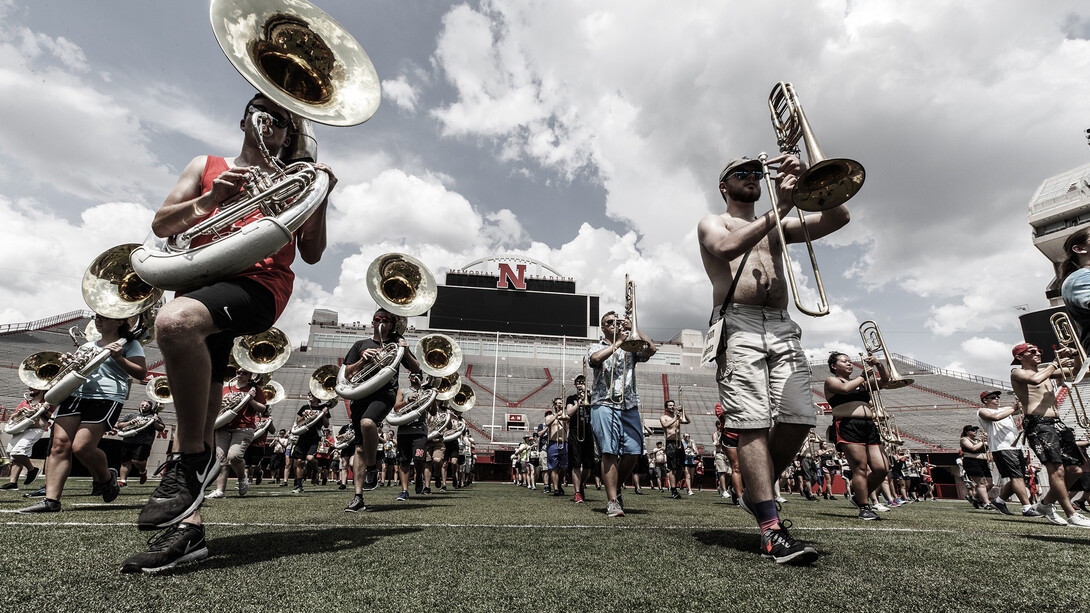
pixel 1018 350
pixel 985 395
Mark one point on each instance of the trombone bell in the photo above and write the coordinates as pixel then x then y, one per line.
pixel 874 344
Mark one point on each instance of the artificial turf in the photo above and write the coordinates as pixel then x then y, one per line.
pixel 498 547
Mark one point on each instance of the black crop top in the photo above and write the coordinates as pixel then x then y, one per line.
pixel 859 395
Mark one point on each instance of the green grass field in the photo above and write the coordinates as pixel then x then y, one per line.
pixel 497 547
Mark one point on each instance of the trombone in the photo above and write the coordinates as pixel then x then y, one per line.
pixel 887 430
pixel 826 184
pixel 1066 337
pixel 873 343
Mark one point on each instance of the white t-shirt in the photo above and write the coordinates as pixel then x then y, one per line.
pixel 1002 434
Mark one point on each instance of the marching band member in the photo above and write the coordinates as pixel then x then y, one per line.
pixel 22 444
pixel 688 451
pixel 675 452
pixel 856 432
pixel 1075 271
pixel 259 452
pixel 195 332
pixel 1003 433
pixel 324 457
pixel 304 452
pixel 1049 437
pixel 367 413
pixel 435 449
pixel 974 459
pixel 136 449
pixel 389 456
pixel 347 453
pixel 760 384
pixel 233 439
pixel 557 451
pixel 411 437
pixel 84 417
pixel 615 415
pixel 279 458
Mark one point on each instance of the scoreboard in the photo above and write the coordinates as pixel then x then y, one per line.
pixel 482 309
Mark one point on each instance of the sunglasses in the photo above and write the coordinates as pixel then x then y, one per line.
pixel 277 120
pixel 610 322
pixel 741 175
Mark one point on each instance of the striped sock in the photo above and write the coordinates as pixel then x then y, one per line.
pixel 767 517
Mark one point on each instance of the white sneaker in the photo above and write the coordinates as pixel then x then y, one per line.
pixel 1079 520
pixel 781 499
pixel 215 494
pixel 243 486
pixel 725 495
pixel 880 507
pixel 1049 513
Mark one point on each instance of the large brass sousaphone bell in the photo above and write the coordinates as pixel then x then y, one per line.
pixel 38 369
pixel 401 284
pixel 323 382
pixel 263 352
pixel 112 288
pixel 439 355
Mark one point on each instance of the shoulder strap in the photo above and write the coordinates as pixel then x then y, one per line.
pixel 734 284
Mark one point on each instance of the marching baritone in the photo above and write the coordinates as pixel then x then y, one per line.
pixel 304 453
pixel 22 444
pixel 368 412
pixel 761 382
pixel 411 439
pixel 84 417
pixel 1050 438
pixel 233 439
pixel 136 449
pixel 195 330
pixel 1003 433
pixel 615 415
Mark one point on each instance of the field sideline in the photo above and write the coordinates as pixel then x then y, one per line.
pixel 497 547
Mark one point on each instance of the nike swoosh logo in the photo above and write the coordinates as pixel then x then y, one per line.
pixel 189 547
pixel 228 313
pixel 203 475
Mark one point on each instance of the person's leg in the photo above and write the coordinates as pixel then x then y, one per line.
pixel 181 328
pixel 60 455
pixel 85 448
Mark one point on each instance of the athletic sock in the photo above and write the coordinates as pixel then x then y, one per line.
pixel 1000 500
pixel 766 514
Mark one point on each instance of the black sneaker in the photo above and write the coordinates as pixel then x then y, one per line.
pixel 110 489
pixel 781 548
pixel 38 493
pixel 356 505
pixel 427 491
pixel 9 486
pixel 419 487
pixel 1002 507
pixel 560 492
pixel 42 506
pixel 342 487
pixel 31 475
pixel 866 513
pixel 181 490
pixel 675 494
pixel 179 544
pixel 403 496
pixel 547 490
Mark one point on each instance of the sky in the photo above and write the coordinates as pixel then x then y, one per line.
pixel 587 135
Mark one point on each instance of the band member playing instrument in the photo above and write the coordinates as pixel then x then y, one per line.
pixel 855 429
pixel 557 452
pixel 84 417
pixel 615 415
pixel 675 451
pixel 435 450
pixel 304 454
pixel 347 453
pixel 1050 438
pixel 830 468
pixel 389 454
pixel 974 459
pixel 324 458
pixel 195 331
pixel 279 458
pixel 136 449
pixel 763 385
pixel 22 444
pixel 411 437
pixel 233 439
pixel 580 438
pixel 1075 271
pixel 259 452
pixel 367 413
pixel 1003 434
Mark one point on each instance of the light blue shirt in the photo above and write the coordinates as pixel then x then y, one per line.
pixel 1076 294
pixel 109 381
pixel 616 375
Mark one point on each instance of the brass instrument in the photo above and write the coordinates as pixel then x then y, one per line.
pixel 437 423
pixel 38 369
pixel 887 428
pixel 158 390
pixel 826 184
pixel 1066 337
pixel 634 342
pixel 300 58
pixel 439 355
pixel 25 417
pixel 230 406
pixel 463 399
pixel 263 425
pixel 455 433
pixel 582 404
pixel 679 408
pixel 311 418
pixel 323 382
pixel 446 387
pixel 345 439
pixel 413 410
pixel 263 352
pixel 401 284
pixel 374 374
pixel 274 393
pixel 874 344
pixel 143 422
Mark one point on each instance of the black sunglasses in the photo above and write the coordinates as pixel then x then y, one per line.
pixel 277 120
pixel 741 175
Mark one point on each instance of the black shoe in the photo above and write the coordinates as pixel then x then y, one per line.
pixel 1002 507
pixel 38 493
pixel 781 548
pixel 443 489
pixel 31 475
pixel 9 486
pixel 674 493
pixel 547 490
pixel 284 484
pixel 179 544
pixel 356 505
pixel 419 487
pixel 342 486
pixel 181 490
pixel 427 491
pixel 866 513
pixel 42 506
pixel 403 496
pixel 110 489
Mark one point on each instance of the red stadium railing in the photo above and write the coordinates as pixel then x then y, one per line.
pixel 48 322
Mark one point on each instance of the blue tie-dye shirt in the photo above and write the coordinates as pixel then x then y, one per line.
pixel 618 369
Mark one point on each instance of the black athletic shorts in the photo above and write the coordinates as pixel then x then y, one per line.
pixel 410 447
pixel 581 454
pixel 277 461
pixel 976 467
pixel 1010 462
pixel 137 453
pixel 254 454
pixel 1052 440
pixel 91 410
pixel 374 407
pixel 728 437
pixel 324 462
pixel 307 446
pixel 856 431
pixel 452 450
pixel 238 306
pixel 642 465
pixel 675 456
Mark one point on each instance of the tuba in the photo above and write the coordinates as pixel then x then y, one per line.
pixel 455 433
pixel 401 284
pixel 23 418
pixel 634 342
pixel 300 58
pixel 141 423
pixel 873 343
pixel 158 390
pixel 437 424
pixel 413 410
pixel 311 418
pixel 463 399
pixel 826 184
pixel 374 374
pixel 345 439
pixel 230 406
pixel 274 393
pixel 446 387
pixel 262 353
pixel 439 355
pixel 323 382
pixel 263 425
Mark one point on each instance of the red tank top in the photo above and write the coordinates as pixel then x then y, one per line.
pixel 274 272
pixel 247 417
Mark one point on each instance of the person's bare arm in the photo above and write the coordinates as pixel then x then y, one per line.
pixel 185 205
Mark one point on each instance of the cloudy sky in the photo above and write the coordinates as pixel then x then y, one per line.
pixel 586 135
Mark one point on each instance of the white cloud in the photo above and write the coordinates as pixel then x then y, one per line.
pixel 403 94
